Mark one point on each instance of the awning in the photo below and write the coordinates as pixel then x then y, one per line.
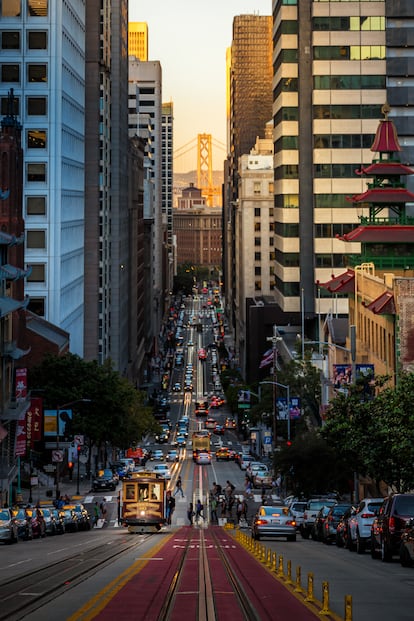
pixel 8 305
pixel 383 196
pixel 383 304
pixel 391 234
pixel 345 283
pixel 385 169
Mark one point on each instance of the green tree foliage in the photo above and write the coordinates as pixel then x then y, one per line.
pixel 115 413
pixel 376 435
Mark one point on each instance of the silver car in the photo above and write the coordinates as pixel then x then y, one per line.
pixel 274 521
pixel 8 527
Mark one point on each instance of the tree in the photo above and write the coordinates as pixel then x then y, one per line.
pixel 376 434
pixel 115 412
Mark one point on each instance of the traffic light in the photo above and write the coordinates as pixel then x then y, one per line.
pixel 70 465
pixel 288 443
pixel 78 448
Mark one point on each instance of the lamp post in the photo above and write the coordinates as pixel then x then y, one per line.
pixel 58 461
pixel 287 388
pixel 274 340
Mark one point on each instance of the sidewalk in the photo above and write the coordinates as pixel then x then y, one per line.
pixel 42 493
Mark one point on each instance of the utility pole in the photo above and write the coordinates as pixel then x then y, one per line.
pixel 274 340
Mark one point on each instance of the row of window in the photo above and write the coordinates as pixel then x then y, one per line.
pixel 14 8
pixel 355 23
pixel 320 171
pixel 35 106
pixel 333 82
pixel 35 72
pixel 324 201
pixel 349 52
pixel 292 259
pixel 36 40
pixel 359 111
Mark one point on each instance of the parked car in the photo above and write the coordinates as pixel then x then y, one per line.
pixel 297 507
pixel 70 520
pixel 332 520
pixel 341 538
pixel 203 459
pixel 319 523
pixel 360 522
pixel 387 528
pixel 82 515
pixel 312 508
pixel 38 523
pixel 24 524
pixel 9 532
pixel 57 517
pixel 407 545
pixel 274 521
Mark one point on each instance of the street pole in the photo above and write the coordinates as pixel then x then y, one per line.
pixel 77 474
pixel 274 339
pixel 57 451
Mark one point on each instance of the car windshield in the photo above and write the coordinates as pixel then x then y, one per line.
pixel 373 507
pixel 4 515
pixel 315 505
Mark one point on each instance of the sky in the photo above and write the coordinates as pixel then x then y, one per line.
pixel 190 38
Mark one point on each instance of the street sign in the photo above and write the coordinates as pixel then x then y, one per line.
pixel 79 440
pixel 57 455
pixel 267 440
pixel 244 406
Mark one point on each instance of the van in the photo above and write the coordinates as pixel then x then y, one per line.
pixel 128 462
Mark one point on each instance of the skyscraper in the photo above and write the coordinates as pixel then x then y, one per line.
pixel 330 81
pixel 43 60
pixel 138 40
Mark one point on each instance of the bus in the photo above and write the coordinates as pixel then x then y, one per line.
pixel 200 442
pixel 143 502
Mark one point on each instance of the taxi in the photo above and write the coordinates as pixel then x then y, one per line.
pixel 223 453
pixel 230 423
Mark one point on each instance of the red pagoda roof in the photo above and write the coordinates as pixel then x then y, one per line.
pixel 383 304
pixel 387 196
pixel 386 169
pixel 386 138
pixel 392 233
pixel 344 283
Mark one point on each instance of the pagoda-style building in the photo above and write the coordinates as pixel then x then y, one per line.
pixel 380 280
pixel 387 233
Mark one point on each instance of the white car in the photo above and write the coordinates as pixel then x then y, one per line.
pixel 360 522
pixel 163 470
pixel 203 459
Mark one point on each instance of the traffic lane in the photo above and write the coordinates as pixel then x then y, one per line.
pixel 380 591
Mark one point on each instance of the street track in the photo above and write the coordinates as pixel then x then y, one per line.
pixel 27 592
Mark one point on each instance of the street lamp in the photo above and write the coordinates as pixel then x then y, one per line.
pixel 58 411
pixel 274 340
pixel 287 388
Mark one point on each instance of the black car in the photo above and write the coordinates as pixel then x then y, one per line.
pixel 387 529
pixel 332 520
pixel 105 480
pixel 407 545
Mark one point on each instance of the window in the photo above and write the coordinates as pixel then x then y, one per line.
pixel 257 241
pixel 10 73
pixel 36 172
pixel 257 226
pixel 270 187
pixel 35 239
pixel 258 270
pixel 10 40
pixel 10 8
pixel 36 139
pixel 5 106
pixel 37 8
pixel 257 285
pixel 37 306
pixel 257 256
pixel 38 273
pixel 36 205
pixel 37 40
pixel 36 106
pixel 257 212
pixel 37 73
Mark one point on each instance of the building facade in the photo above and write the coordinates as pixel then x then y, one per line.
pixel 43 60
pixel 138 40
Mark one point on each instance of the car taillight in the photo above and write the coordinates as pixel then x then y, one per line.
pixel 261 522
pixel 366 516
pixel 391 524
pixel 291 523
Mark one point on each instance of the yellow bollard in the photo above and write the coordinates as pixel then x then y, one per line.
pixel 298 583
pixel 274 562
pixel 269 558
pixel 309 596
pixel 263 557
pixel 280 567
pixel 348 608
pixel 325 599
pixel 289 573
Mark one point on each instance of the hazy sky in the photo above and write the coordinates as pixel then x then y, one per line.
pixel 190 38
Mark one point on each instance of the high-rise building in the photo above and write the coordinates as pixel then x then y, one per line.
pixel 335 65
pixel 249 102
pixel 43 60
pixel 107 277
pixel 145 119
pixel 167 171
pixel 138 40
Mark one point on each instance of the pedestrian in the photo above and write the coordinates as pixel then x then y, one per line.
pixel 229 489
pixel 199 511
pixel 103 509
pixel 239 509
pixel 96 513
pixel 170 507
pixel 263 495
pixel 249 473
pixel 179 487
pixel 213 506
pixel 190 513
pixel 248 486
pixel 119 507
